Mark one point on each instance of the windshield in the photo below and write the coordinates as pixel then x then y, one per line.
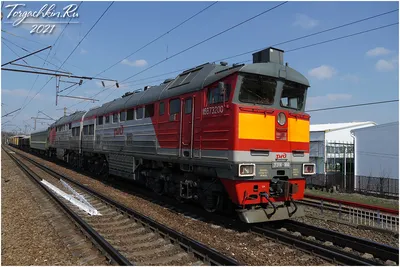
pixel 257 89
pixel 293 95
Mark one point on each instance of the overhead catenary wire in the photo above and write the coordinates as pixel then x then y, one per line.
pixel 159 37
pixel 201 42
pixel 149 43
pixel 319 43
pixel 355 105
pixel 296 39
pixel 105 11
pixel 67 57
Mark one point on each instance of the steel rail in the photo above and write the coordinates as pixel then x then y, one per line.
pixel 379 250
pixel 203 252
pixel 328 253
pixel 102 244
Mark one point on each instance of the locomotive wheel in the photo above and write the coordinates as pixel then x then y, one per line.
pixel 158 187
pixel 211 202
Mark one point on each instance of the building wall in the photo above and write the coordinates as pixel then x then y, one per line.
pixel 343 135
pixel 377 151
pixel 317 150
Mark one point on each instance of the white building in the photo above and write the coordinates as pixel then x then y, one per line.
pixel 377 150
pixel 377 158
pixel 331 145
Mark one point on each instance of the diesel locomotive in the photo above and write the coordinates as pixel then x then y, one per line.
pixel 224 136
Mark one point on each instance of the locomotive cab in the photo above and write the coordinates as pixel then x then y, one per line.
pixel 271 147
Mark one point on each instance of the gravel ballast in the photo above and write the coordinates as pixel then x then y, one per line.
pixel 34 230
pixel 247 248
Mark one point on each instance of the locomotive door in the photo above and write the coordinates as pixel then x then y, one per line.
pixel 187 127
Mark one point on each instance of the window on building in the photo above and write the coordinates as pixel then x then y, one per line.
pixel 161 108
pixel 174 106
pixel 122 116
pixel 139 113
pixel 149 111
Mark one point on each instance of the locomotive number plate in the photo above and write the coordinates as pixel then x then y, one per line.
pixel 280 164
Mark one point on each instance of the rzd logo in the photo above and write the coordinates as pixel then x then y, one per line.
pixel 119 131
pixel 281 156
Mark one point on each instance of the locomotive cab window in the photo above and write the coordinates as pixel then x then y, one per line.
pixel 100 120
pixel 129 114
pixel 107 119
pixel 149 111
pixel 215 96
pixel 115 117
pixel 91 129
pixel 139 113
pixel 161 109
pixel 174 106
pixel 293 95
pixel 257 89
pixel 85 130
pixel 188 105
pixel 122 116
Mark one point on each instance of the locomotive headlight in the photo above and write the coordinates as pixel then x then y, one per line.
pixel 281 118
pixel 308 169
pixel 247 170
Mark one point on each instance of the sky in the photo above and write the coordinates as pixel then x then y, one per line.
pixel 358 69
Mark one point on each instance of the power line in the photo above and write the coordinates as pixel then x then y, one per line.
pixel 64 60
pixel 343 37
pixel 298 38
pixel 313 34
pixel 169 31
pixel 207 39
pixel 87 33
pixel 355 105
pixel 159 37
pixel 59 36
pixel 199 43
pixel 15 53
pixel 26 50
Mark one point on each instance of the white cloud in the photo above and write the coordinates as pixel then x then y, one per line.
pixel 305 21
pixel 20 93
pixel 136 63
pixel 322 72
pixel 350 78
pixel 386 65
pixel 378 51
pixel 83 51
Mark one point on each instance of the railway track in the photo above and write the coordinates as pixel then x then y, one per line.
pixel 335 253
pixel 123 235
pixel 330 245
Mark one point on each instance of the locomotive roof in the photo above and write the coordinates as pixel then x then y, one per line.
pixel 197 78
pixel 70 118
pixel 189 81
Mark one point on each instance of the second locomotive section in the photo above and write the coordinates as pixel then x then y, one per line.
pixel 224 136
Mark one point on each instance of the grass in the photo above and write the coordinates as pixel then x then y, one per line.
pixel 364 199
